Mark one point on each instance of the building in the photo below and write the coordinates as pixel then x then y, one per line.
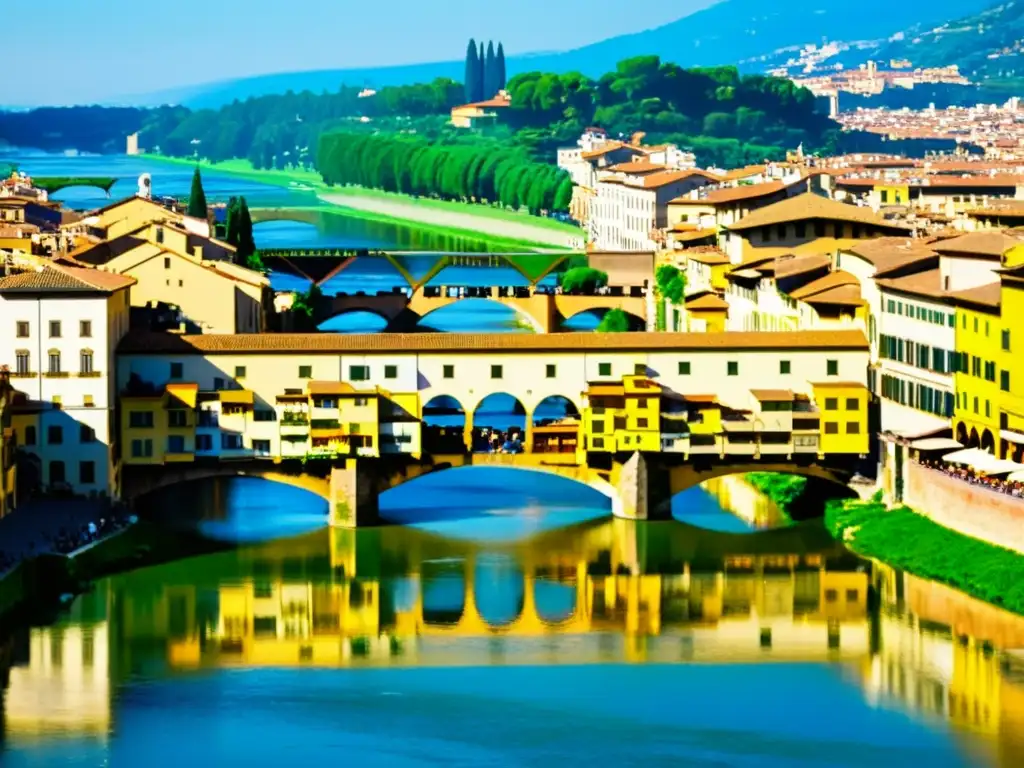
pixel 30 210
pixel 130 215
pixel 8 468
pixel 978 399
pixel 275 388
pixel 61 326
pixel 480 114
pixel 193 274
pixel 1011 343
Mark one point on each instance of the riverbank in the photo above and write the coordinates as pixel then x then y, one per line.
pixel 913 543
pixel 459 219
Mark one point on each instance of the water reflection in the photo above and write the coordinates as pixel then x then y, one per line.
pixel 919 676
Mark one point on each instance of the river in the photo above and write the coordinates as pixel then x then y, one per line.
pixel 330 230
pixel 510 624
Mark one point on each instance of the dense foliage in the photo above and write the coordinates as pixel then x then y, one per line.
pixel 238 232
pixel 480 171
pixel 197 197
pixel 670 282
pixel 583 280
pixel 485 71
pixel 614 321
pixel 913 543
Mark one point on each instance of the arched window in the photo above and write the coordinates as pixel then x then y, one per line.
pixel 54 355
pixel 85 361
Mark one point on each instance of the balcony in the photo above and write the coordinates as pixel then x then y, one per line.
pixel 23 375
pixel 90 374
pixel 56 375
pixel 295 420
pixel 806 443
pixel 179 458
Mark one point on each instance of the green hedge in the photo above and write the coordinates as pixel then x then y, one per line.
pixel 914 543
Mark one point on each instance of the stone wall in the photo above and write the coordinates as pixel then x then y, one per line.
pixel 968 509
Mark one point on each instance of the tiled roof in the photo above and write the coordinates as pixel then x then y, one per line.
pixel 727 195
pixel 891 253
pixel 707 302
pixel 927 284
pixel 711 256
pixel 811 206
pixel 61 278
pixel 832 280
pixel 147 342
pixel 840 295
pixel 991 243
pixel 792 266
pixel 773 395
pixel 988 295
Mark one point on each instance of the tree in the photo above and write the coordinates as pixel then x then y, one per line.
pixel 246 244
pixel 231 227
pixel 490 72
pixel 499 65
pixel 481 83
pixel 563 195
pixel 255 262
pixel 472 84
pixel 671 283
pixel 614 321
pixel 583 280
pixel 197 198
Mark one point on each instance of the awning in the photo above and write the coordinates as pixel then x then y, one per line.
pixel 237 397
pixel 1013 437
pixel 1017 477
pixel 982 461
pixel 936 444
pixel 186 393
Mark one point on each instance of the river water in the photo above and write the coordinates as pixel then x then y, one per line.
pixel 504 623
pixel 330 230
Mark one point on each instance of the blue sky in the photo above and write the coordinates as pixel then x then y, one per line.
pixel 89 50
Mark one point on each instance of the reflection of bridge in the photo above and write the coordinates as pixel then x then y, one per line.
pixel 639 488
pixel 544 310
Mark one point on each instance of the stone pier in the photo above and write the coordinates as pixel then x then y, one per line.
pixel 641 490
pixel 352 498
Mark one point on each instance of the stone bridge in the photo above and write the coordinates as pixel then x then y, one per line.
pixel 545 312
pixel 639 487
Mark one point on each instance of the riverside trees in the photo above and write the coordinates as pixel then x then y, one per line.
pixel 478 171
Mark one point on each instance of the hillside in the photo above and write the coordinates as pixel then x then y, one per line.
pixel 986 44
pixel 728 32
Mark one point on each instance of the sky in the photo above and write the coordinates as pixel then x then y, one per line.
pixel 84 51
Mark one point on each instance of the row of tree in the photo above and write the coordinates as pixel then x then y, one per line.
pixel 238 225
pixel 479 171
pixel 485 72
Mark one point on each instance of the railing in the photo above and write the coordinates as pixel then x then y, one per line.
pixel 291 420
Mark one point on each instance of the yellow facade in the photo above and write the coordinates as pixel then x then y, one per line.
pixel 344 421
pixel 893 194
pixel 623 417
pixel 1011 366
pixel 844 417
pixel 8 474
pixel 129 215
pixel 976 380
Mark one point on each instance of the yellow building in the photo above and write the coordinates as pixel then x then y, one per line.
pixel 976 413
pixel 623 416
pixel 1011 344
pixel 845 421
pixel 8 474
pixel 706 312
pixel 126 216
pixel 159 427
pixel 176 267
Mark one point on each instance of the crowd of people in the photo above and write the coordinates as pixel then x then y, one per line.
pixel 487 440
pixel 974 477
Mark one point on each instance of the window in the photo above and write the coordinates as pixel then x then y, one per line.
pixel 359 372
pixel 305 371
pixel 975 325
pixel 604 369
pixel 261 447
pixel 140 419
pixel 85 361
pixel 732 368
pixel 1004 381
pixel 87 472
pixel 784 367
pixel 204 443
pixel 54 435
pixel 819 228
pixel 640 369
pixel 550 370
pixel 231 442
pixel 57 472
pixel 325 402
pixel 21 329
pixel 1006 340
pixel 208 418
pixel 800 229
pixel 55 329
pixel 853 427
pixel 87 401
pixel 598 442
pixel 641 423
pixel 264 414
pixel 831 367
pixel 30 435
pixel 831 403
pixel 362 401
pixel 160 239
pixel 85 329
pixel 496 371
pixel 684 367
pixel 852 404
pixel 22 365
pixel 239 371
pixel 831 428
pixel 449 372
pixel 54 361
pixel 218 383
pixel 177 370
pixel 86 434
pixel 142 449
pixel 598 426
pixel 390 371
pixel 177 419
pixel 766 234
pixel 176 444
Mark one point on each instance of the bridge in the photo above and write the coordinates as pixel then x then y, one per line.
pixel 638 487
pixel 54 184
pixel 544 310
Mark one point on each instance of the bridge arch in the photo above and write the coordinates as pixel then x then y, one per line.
pixel 557 601
pixel 299 215
pixel 555 406
pixel 138 481
pixel 499 590
pixel 583 319
pixel 525 319
pixel 489 414
pixel 444 589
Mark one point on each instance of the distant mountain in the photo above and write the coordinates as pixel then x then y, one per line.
pixel 985 44
pixel 728 32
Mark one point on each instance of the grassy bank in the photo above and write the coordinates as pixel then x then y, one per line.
pixel 913 543
pixel 362 198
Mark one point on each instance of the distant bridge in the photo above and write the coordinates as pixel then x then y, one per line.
pixel 54 184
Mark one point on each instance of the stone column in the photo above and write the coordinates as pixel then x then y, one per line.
pixel 353 496
pixel 643 490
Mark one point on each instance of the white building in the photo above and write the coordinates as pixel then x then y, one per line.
pixel 59 327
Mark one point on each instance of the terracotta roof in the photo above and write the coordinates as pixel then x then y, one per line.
pixel 927 284
pixel 664 178
pixel 840 295
pixel 707 302
pixel 836 279
pixel 637 166
pixel 330 388
pixel 811 206
pixel 712 256
pixel 773 395
pixel 611 146
pixel 60 278
pixel 988 295
pixel 999 208
pixel 497 101
pixel 725 195
pixel 739 173
pixel 791 266
pixel 147 342
pixel 990 243
pixel 107 250
pixel 890 253
pixel 839 385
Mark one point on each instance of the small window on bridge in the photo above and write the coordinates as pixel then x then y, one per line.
pixel 496 371
pixel 784 367
pixel 305 371
pixel 390 371
pixel 733 368
pixel 604 369
pixel 449 371
pixel 832 367
pixel 551 371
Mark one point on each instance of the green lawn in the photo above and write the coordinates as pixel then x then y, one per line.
pixel 913 543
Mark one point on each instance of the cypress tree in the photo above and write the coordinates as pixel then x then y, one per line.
pixel 499 66
pixel 231 226
pixel 490 73
pixel 472 73
pixel 481 85
pixel 246 244
pixel 197 198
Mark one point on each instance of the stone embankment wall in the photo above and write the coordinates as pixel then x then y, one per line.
pixel 968 509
